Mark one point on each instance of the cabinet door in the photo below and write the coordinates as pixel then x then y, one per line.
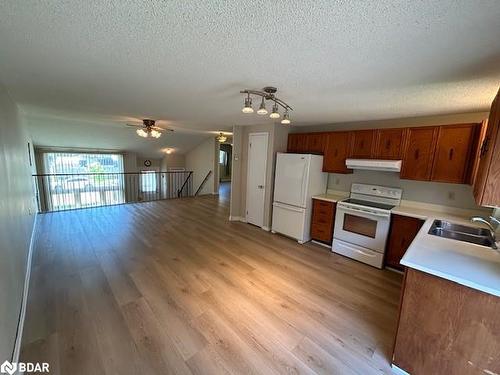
pixel 363 144
pixel 454 146
pixel 419 153
pixel 316 143
pixel 297 143
pixel 323 215
pixel 338 147
pixel 389 144
pixel 486 186
pixel 403 231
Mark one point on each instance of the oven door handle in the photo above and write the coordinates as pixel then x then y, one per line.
pixel 365 211
pixel 365 253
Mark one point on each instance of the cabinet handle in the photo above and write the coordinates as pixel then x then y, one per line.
pixel 417 153
pixel 484 146
pixel 388 144
pixel 450 154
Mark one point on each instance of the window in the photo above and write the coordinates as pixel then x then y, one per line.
pixel 82 180
pixel 148 181
pixel 222 157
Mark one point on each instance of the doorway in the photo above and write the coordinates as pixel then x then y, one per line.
pixel 256 178
pixel 225 161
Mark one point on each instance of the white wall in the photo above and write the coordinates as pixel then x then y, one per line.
pixel 200 160
pixel 454 195
pixel 16 219
pixel 173 161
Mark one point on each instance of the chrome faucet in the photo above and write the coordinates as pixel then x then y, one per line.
pixel 492 224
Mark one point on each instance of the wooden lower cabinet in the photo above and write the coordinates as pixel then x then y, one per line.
pixel 446 328
pixel 401 234
pixel 323 217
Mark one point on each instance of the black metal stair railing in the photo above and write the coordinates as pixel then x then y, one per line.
pixel 58 192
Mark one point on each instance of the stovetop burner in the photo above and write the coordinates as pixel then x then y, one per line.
pixel 360 202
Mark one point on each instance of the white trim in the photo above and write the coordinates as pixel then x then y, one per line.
pixel 397 370
pixel 22 315
pixel 237 218
pixel 267 229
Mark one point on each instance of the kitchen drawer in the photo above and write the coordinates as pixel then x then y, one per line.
pixel 321 232
pixel 323 216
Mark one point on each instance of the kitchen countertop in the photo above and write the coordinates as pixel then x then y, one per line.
pixel 331 196
pixel 471 265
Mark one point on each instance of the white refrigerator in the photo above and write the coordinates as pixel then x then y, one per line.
pixel 298 177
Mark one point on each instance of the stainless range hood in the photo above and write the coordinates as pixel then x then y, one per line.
pixel 374 165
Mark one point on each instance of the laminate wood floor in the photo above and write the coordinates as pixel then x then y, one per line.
pixel 174 287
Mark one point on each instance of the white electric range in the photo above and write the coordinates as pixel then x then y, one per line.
pixel 362 223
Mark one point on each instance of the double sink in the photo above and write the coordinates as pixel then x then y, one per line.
pixel 464 233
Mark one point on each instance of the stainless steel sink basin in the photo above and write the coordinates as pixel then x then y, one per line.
pixel 478 236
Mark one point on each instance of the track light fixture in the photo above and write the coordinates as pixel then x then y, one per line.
pixel 267 93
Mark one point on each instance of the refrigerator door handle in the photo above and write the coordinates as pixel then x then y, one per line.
pixel 304 182
pixel 287 207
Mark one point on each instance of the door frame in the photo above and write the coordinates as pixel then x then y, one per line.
pixel 263 226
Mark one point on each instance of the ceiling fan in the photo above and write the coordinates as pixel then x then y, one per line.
pixel 148 129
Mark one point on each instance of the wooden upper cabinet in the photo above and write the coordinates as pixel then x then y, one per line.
pixel 389 143
pixel 337 149
pixel 297 143
pixel 453 150
pixel 487 183
pixel 419 153
pixel 363 144
pixel 316 143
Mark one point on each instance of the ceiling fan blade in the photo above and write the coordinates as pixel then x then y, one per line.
pixel 135 126
pixel 162 129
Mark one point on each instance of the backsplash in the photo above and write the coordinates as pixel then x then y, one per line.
pixel 454 195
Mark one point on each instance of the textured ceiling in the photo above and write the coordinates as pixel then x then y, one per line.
pixel 185 61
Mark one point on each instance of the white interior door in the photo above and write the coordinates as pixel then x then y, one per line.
pixel 256 178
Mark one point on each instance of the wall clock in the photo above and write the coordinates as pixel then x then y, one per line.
pixel 147 163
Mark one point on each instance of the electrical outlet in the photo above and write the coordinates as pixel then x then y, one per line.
pixel 451 195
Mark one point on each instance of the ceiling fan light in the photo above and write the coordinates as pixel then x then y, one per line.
pixel 262 109
pixel 275 113
pixel 221 138
pixel 142 133
pixel 248 105
pixel 155 133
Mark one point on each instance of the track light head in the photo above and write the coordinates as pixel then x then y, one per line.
pixel 262 109
pixel 248 105
pixel 275 114
pixel 286 118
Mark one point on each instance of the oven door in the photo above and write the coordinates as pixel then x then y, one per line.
pixel 362 226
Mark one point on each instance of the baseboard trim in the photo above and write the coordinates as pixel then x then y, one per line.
pixel 20 325
pixel 238 218
pixel 322 244
pixel 396 370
